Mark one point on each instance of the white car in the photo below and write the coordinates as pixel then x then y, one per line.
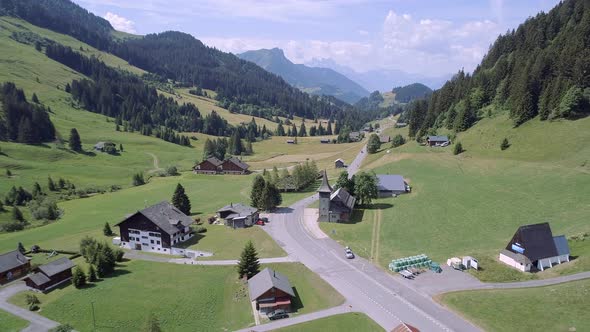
pixel 348 253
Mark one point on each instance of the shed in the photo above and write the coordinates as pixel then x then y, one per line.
pixel 339 163
pixel 384 139
pixel 51 275
pixel 437 140
pixel 389 185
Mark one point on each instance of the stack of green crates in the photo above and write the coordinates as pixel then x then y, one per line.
pixel 418 261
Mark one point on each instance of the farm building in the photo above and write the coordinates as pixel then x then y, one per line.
pixel 51 275
pixel 156 229
pixel 270 290
pixel 208 166
pixel 238 215
pixel 335 206
pixel 436 140
pixel 389 185
pixel 103 146
pixel 535 247
pixel 355 136
pixel 213 165
pixel 13 265
pixel 384 139
pixel 339 163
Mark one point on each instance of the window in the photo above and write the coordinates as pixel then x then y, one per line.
pixel 152 242
pixel 152 248
pixel 144 244
pixel 144 237
pixel 158 243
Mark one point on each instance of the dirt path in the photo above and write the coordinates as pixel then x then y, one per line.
pixel 156 163
pixel 375 236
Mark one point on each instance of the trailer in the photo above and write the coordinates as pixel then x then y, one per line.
pixel 470 262
pixel 455 263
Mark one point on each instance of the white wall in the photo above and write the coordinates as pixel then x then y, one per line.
pixel 511 262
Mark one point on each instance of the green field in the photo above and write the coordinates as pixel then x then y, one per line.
pixel 552 308
pixel 343 322
pixel 11 323
pixel 183 297
pixel 473 203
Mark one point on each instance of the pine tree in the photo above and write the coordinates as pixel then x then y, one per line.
pixel 75 142
pixel 37 191
pixel 17 215
pixel 92 273
pixel 505 144
pixel 248 266
pixel 374 144
pixel 152 324
pixel 302 130
pixel 21 248
pixel 280 130
pixel 8 173
pixel 458 148
pixel 256 192
pixel 78 277
pixel 121 147
pixel 35 99
pixel 107 231
pixel 180 200
pixel 270 197
pixel 50 184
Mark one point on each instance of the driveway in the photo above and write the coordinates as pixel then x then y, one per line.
pixel 138 255
pixel 37 323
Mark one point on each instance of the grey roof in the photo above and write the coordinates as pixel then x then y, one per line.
pixel 520 258
pixel 39 278
pixel 267 279
pixel 239 210
pixel 438 138
pixel 354 134
pixel 101 145
pixel 384 138
pixel 11 260
pixel 337 160
pixel 239 163
pixel 343 196
pixel 165 216
pixel 57 266
pixel 561 245
pixel 325 186
pixel 214 161
pixel 386 182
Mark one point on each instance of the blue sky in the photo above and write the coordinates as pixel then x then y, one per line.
pixel 428 37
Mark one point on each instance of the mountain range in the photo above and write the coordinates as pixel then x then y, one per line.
pixel 314 80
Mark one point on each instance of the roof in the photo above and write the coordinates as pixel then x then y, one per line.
pixel 536 241
pixel 403 327
pixel 386 182
pixel 438 138
pixel 561 245
pixel 385 138
pixel 522 259
pixel 39 278
pixel 354 134
pixel 101 145
pixel 238 209
pixel 325 186
pixel 11 260
pixel 343 196
pixel 213 161
pixel 57 266
pixel 238 163
pixel 165 216
pixel 339 160
pixel 267 279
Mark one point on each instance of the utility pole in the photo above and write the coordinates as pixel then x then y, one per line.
pixel 93 317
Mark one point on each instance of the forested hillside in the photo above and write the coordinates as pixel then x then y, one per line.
pixel 408 93
pixel 540 69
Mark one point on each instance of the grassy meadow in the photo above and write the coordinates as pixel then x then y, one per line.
pixel 11 323
pixel 343 322
pixel 183 297
pixel 472 204
pixel 561 307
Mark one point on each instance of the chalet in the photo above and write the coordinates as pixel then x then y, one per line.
pixel 354 136
pixel 51 275
pixel 437 140
pixel 238 215
pixel 208 166
pixel 156 228
pixel 13 265
pixel 270 290
pixel 535 247
pixel 325 141
pixel 339 163
pixel 335 206
pixel 103 146
pixel 384 139
pixel 234 166
pixel 389 185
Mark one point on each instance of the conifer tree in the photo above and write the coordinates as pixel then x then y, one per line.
pixel 92 273
pixel 302 130
pixel 458 148
pixel 180 200
pixel 505 144
pixel 21 248
pixel 37 191
pixel 50 184
pixel 256 191
pixel 35 99
pixel 78 277
pixel 280 130
pixel 75 142
pixel 107 231
pixel 17 215
pixel 374 144
pixel 248 266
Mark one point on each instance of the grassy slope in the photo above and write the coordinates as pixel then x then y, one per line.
pixel 553 308
pixel 473 203
pixel 11 323
pixel 344 322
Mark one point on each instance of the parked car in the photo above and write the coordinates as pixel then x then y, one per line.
pixel 265 219
pixel 444 144
pixel 260 222
pixel 348 253
pixel 277 314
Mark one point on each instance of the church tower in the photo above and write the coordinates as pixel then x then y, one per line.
pixel 324 192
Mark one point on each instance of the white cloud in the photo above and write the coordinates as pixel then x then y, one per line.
pixel 363 32
pixel 120 23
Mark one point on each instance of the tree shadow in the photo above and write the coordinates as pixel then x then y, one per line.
pixel 116 273
pixel 282 210
pixel 89 153
pixel 379 206
pixel 296 303
pixel 192 241
pixel 355 218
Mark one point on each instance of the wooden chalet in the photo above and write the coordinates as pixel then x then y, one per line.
pixel 51 275
pixel 234 166
pixel 13 265
pixel 270 290
pixel 213 165
pixel 208 166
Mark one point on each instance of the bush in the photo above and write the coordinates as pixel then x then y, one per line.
pixel 119 253
pixel 398 140
pixel 201 229
pixel 92 274
pixel 505 144
pixel 33 302
pixel 11 226
pixel 44 208
pixel 138 179
pixel 63 328
pixel 458 148
pixel 78 277
pixel 211 220
pixel 172 171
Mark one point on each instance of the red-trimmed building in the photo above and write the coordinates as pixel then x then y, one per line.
pixel 270 290
pixel 213 165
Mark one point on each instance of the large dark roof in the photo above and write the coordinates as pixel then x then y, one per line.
pixel 387 182
pixel 343 196
pixel 165 216
pixel 238 163
pixel 438 138
pixel 536 240
pixel 57 266
pixel 267 279
pixel 11 260
pixel 214 161
pixel 238 210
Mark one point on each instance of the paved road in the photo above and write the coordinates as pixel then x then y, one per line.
pixel 37 322
pixel 299 319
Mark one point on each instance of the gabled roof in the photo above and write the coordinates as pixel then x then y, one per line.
pixel 57 266
pixel 325 186
pixel 561 245
pixel 213 161
pixel 387 182
pixel 403 327
pixel 337 160
pixel 438 138
pixel 39 278
pixel 238 163
pixel 165 216
pixel 267 279
pixel 536 241
pixel 11 260
pixel 238 209
pixel 343 196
